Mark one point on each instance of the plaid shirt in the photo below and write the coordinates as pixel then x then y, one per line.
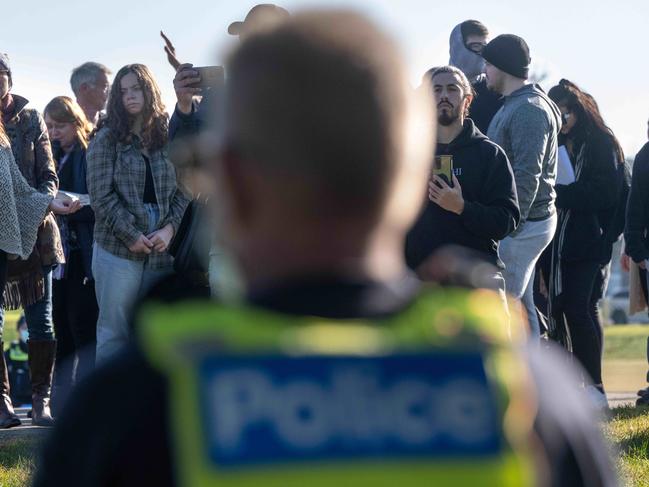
pixel 116 178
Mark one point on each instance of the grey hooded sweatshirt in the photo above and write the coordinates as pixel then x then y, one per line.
pixel 462 57
pixel 526 127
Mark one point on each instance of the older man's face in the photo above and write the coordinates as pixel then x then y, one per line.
pixel 98 91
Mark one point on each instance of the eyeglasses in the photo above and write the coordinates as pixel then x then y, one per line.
pixel 476 47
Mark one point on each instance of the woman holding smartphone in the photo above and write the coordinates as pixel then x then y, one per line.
pixel 137 202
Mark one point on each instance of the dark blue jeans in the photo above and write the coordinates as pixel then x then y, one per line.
pixel 39 314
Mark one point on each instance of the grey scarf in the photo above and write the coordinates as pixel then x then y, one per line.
pixel 22 211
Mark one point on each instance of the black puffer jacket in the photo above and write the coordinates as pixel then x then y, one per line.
pixel 592 201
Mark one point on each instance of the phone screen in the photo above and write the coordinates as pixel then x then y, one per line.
pixel 443 167
pixel 211 76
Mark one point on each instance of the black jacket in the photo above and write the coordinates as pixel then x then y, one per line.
pixel 72 177
pixel 591 201
pixel 637 211
pixel 485 104
pixel 192 124
pixel 491 205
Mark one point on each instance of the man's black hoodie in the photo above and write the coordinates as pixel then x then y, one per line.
pixel 490 202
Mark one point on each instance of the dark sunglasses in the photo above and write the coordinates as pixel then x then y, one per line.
pixel 476 47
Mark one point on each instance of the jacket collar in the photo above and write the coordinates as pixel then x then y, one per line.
pixel 19 105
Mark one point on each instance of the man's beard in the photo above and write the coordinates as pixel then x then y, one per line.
pixel 447 117
pixel 494 86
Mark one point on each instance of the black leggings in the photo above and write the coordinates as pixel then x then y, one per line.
pixel 75 324
pixel 583 286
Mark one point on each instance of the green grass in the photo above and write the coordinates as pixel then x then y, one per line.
pixel 628 429
pixel 627 342
pixel 17 462
pixel 625 366
pixel 625 357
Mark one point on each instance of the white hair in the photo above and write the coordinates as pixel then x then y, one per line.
pixel 86 73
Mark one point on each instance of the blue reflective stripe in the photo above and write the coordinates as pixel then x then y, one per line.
pixel 278 409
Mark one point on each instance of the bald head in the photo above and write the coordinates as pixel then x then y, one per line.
pixel 322 99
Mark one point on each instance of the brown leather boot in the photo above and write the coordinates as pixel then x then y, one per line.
pixel 41 367
pixel 8 418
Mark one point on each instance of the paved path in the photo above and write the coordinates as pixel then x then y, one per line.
pixel 26 430
pixel 616 399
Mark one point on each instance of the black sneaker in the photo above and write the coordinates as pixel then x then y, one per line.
pixel 642 401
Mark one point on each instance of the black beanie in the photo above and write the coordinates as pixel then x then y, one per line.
pixel 510 54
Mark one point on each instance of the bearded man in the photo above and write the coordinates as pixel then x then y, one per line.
pixel 477 205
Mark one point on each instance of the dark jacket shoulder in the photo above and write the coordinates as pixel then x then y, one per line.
pixel 124 446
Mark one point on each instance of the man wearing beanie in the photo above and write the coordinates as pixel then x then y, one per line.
pixel 526 127
pixel 467 41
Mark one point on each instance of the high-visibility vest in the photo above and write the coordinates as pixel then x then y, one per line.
pixel 16 353
pixel 434 396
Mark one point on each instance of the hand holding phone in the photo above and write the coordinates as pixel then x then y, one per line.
pixel 210 77
pixel 443 167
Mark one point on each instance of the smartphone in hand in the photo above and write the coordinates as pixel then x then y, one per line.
pixel 443 167
pixel 211 76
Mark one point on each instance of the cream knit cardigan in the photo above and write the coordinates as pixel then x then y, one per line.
pixel 22 208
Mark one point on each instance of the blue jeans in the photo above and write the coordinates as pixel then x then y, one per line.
pixel 119 283
pixel 519 254
pixel 39 314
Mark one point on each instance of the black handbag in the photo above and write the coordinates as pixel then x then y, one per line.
pixel 191 244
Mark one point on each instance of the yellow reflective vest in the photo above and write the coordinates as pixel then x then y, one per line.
pixel 436 395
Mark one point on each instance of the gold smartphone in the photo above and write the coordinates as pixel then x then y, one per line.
pixel 443 167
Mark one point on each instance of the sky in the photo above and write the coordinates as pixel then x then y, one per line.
pixel 599 45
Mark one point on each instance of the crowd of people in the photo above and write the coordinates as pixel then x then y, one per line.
pixel 319 195
pixel 507 201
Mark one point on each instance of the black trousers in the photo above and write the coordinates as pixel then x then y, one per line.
pixel 75 314
pixel 583 286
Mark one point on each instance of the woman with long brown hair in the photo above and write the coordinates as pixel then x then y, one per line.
pixel 582 246
pixel 74 302
pixel 22 211
pixel 138 205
